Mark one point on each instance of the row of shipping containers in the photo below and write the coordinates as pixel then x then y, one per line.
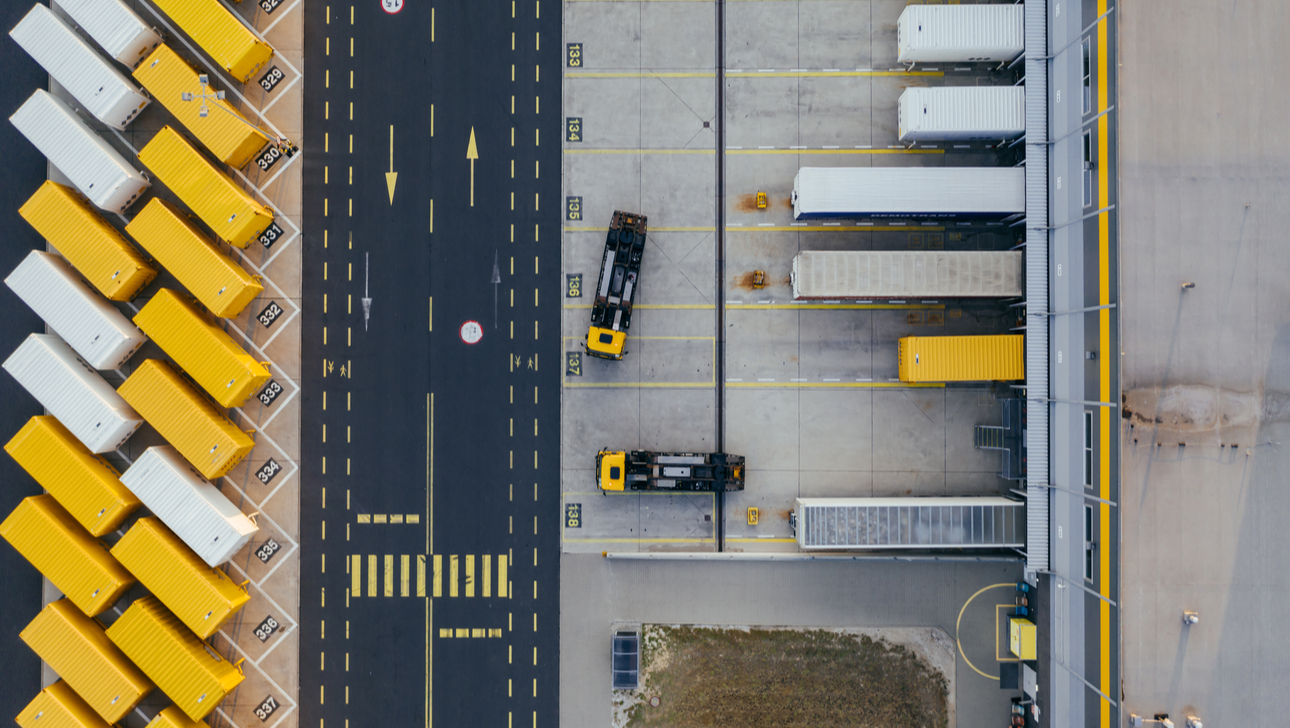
pixel 158 641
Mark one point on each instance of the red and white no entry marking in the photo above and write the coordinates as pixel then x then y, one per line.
pixel 472 332
pixel 391 6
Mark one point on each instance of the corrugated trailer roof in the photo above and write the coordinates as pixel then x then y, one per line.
pixel 99 333
pixel 180 247
pixel 235 216
pixel 971 522
pixel 202 349
pixel 72 559
pixel 967 33
pixel 93 81
pixel 961 113
pixel 96 249
pixel 73 392
pixel 906 274
pixel 58 706
pixel 224 131
pixel 76 648
pixel 84 484
pixel 909 192
pixel 220 33
pixel 962 358
pixel 198 430
pixel 96 168
pixel 186 670
pixel 188 504
pixel 115 27
pixel 202 597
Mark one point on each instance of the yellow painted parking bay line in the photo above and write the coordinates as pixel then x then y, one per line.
pixel 787 150
pixel 837 385
pixel 837 306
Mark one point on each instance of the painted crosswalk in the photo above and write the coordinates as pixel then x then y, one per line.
pixel 451 575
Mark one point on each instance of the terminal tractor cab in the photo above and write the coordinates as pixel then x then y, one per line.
pixel 620 267
pixel 618 471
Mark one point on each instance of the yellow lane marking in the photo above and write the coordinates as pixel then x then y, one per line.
pixel 355 569
pixel 1104 367
pixel 640 540
pixel 837 385
pixel 959 621
pixel 487 580
pixel 835 151
pixel 421 575
pixel 502 582
pixel 438 575
pixel 641 385
pixel 452 575
pixel 832 228
pixel 761 540
pixel 412 518
pixel 826 74
pixel 470 575
pixel 639 74
pixel 389 575
pixel 469 632
pixel 371 575
pixel 640 151
pixel 665 306
pixel 404 569
pixel 836 306
pixel 601 230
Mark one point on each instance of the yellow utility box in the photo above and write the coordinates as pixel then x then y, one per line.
pixel 221 34
pixel 58 706
pixel 180 247
pixel 203 598
pixel 1021 638
pixel 173 717
pixel 84 484
pixel 185 668
pixel 201 348
pixel 962 358
pixel 182 415
pixel 97 250
pixel 76 648
pixel 754 516
pixel 72 559
pixel 223 130
pixel 230 211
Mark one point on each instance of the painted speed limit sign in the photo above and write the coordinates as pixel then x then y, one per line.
pixel 472 332
pixel 391 6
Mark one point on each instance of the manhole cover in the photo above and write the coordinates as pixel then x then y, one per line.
pixel 654 702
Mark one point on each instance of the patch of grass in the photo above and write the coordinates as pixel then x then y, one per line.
pixel 785 679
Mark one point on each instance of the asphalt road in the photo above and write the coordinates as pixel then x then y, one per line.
pixel 403 419
pixel 24 171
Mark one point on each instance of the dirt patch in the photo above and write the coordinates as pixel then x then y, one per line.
pixel 748 203
pixel 1201 413
pixel 791 678
pixel 744 281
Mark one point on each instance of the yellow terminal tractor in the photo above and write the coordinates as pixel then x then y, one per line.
pixel 618 471
pixel 611 314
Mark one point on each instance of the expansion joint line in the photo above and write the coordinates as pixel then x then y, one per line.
pixel 720 345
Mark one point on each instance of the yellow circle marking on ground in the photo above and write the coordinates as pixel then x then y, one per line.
pixel 958 642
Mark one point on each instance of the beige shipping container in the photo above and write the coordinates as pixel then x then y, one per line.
pixel 180 247
pixel 73 560
pixel 235 216
pixel 83 483
pixel 94 248
pixel 201 348
pixel 202 597
pixel 185 668
pixel 58 706
pixel 76 648
pixel 197 429
pixel 173 717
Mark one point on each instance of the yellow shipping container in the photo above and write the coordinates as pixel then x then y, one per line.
pixel 230 211
pixel 219 33
pixel 96 249
pixel 202 597
pixel 225 132
pixel 197 429
pixel 58 706
pixel 214 278
pixel 962 358
pixel 83 483
pixel 76 648
pixel 190 673
pixel 173 717
pixel 76 563
pixel 202 349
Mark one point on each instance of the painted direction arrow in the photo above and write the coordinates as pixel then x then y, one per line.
pixel 391 177
pixel 472 153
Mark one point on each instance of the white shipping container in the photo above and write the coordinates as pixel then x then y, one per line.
pixel 113 25
pixel 100 88
pixel 97 170
pixel 100 334
pixel 909 192
pixel 967 113
pixel 188 504
pixel 868 274
pixel 960 33
pixel 73 392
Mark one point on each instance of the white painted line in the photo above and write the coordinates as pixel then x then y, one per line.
pixel 766 300
pixel 797 147
pixel 734 147
pixel 829 147
pixel 962 146
pixel 765 147
pixel 930 146
pixel 765 224
pixel 765 380
pixel 728 379
pixel 864 380
pixel 797 380
pixel 797 224
pixel 894 380
pixel 833 70
pixel 736 224
pixel 765 70
pixel 831 380
pixel 894 146
pixel 864 223
pixel 269 27
pixel 833 224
